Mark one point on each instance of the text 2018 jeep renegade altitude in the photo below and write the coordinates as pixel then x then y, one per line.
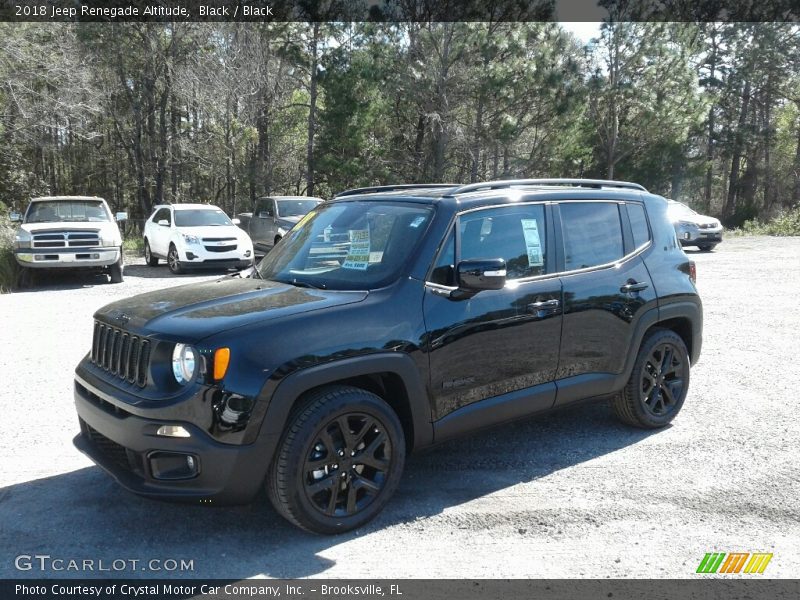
pixel 389 319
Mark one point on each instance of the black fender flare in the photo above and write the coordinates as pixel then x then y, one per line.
pixel 681 309
pixel 280 399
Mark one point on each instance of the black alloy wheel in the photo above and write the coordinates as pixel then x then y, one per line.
pixel 658 382
pixel 348 464
pixel 339 461
pixel 662 379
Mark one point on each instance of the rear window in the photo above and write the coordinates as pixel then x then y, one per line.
pixel 77 211
pixel 592 234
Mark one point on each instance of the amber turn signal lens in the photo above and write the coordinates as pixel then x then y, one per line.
pixel 222 357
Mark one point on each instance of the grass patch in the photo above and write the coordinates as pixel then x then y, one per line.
pixel 785 224
pixel 133 246
pixel 9 270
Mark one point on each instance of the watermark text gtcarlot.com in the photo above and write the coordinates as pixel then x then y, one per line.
pixel 47 563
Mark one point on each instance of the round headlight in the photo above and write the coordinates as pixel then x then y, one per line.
pixel 184 361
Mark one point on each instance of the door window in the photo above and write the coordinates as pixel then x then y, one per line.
pixel 515 234
pixel 265 208
pixel 592 234
pixel 162 215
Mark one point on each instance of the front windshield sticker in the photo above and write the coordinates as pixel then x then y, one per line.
pixel 532 242
pixel 358 255
pixel 417 222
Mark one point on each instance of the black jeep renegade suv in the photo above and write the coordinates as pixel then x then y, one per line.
pixel 387 320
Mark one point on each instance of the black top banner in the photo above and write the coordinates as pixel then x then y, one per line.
pixel 399 10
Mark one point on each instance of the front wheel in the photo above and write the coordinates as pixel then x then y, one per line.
pixel 115 270
pixel 339 462
pixel 149 257
pixel 706 247
pixel 173 260
pixel 658 383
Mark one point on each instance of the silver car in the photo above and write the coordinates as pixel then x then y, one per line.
pixel 694 229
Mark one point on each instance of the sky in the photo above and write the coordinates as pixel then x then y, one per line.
pixel 584 31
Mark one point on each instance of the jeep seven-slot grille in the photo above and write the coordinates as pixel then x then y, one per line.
pixel 121 353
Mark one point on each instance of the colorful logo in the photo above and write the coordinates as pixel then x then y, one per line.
pixel 734 562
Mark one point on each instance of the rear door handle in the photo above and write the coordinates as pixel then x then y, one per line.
pixel 634 286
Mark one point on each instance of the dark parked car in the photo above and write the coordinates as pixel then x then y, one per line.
pixel 391 319
pixel 273 217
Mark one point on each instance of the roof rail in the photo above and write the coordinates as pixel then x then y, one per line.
pixel 391 188
pixel 508 183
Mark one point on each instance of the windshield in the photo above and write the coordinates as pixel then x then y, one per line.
pixel 296 208
pixel 76 211
pixel 677 209
pixel 348 246
pixel 201 217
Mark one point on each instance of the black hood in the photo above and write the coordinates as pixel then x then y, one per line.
pixel 195 311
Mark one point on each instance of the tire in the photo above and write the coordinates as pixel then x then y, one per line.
pixel 706 247
pixel 315 480
pixel 115 270
pixel 25 278
pixel 656 390
pixel 276 240
pixel 173 260
pixel 149 257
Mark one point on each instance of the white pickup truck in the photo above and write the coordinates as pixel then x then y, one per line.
pixel 70 232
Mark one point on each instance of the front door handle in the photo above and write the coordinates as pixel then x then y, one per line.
pixel 634 286
pixel 543 305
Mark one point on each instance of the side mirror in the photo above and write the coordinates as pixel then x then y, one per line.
pixel 482 274
pixel 121 216
pixel 164 223
pixel 236 221
pixel 15 217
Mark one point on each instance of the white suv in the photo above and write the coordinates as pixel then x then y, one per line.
pixel 191 236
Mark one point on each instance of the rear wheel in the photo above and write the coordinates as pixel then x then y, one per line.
pixel 149 257
pixel 173 260
pixel 658 383
pixel 339 462
pixel 115 270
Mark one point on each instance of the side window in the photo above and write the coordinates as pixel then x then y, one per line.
pixel 641 234
pixel 516 234
pixel 264 208
pixel 162 215
pixel 444 271
pixel 592 234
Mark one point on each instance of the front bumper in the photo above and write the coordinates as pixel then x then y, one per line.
pixel 217 263
pixel 126 446
pixel 66 258
pixel 691 236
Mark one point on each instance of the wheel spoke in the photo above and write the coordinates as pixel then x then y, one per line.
pixel 370 486
pixel 666 393
pixel 361 434
pixel 347 435
pixel 322 485
pixel 352 492
pixel 334 499
pixel 369 460
pixel 327 441
pixel 666 361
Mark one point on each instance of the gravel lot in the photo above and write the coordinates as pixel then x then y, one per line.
pixel 571 494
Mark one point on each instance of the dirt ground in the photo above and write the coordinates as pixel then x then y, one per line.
pixel 570 494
